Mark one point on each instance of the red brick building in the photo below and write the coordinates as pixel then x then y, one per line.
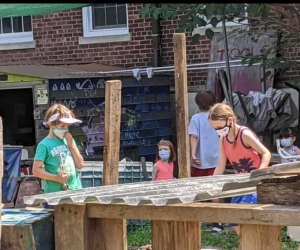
pixel 76 36
pixel 69 37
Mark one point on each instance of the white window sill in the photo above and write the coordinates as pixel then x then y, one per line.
pixel 201 31
pixel 105 39
pixel 21 45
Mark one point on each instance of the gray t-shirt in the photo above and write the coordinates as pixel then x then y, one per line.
pixel 208 145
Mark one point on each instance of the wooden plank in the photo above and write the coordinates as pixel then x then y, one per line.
pixel 177 235
pixel 258 237
pixel 71 227
pixel 161 237
pixel 107 234
pixel 181 104
pixel 174 233
pixel 112 125
pixel 17 237
pixel 279 191
pixel 113 231
pixel 262 214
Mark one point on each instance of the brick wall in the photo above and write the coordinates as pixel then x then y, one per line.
pixel 57 42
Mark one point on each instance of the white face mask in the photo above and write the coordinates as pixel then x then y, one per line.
pixel 60 132
pixel 223 131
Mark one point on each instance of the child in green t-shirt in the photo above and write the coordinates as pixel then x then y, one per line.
pixel 57 157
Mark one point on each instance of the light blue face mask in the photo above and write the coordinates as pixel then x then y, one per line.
pixel 164 154
pixel 286 142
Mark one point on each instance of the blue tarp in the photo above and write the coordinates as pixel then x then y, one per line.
pixel 11 172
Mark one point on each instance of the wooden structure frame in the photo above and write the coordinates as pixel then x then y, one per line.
pixel 176 227
pixel 260 224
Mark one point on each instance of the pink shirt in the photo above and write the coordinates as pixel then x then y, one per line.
pixel 165 170
pixel 243 159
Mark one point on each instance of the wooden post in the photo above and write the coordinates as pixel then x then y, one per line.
pixel 173 234
pixel 260 237
pixel 181 105
pixel 1 167
pixel 112 232
pixel 112 125
pixel 73 230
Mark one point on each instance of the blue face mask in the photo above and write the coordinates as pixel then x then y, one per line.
pixel 286 142
pixel 164 154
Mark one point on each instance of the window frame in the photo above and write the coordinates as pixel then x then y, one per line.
pixel 17 37
pixel 87 23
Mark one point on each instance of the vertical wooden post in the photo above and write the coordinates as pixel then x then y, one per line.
pixel 71 228
pixel 112 233
pixel 260 237
pixel 1 168
pixel 181 106
pixel 173 234
pixel 112 125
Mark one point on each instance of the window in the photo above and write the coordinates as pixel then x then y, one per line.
pixel 16 30
pixel 104 20
pixel 107 16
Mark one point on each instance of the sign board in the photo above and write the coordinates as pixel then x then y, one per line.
pixel 243 78
pixel 41 95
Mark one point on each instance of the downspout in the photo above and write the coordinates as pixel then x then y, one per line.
pixel 156 34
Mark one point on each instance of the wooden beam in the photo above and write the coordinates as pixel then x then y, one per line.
pixel 112 125
pixel 18 237
pixel 110 233
pixel 181 105
pixel 177 235
pixel 257 237
pixel 204 212
pixel 71 227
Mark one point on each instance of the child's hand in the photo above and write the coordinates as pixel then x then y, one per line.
pixel 62 177
pixel 196 161
pixel 69 138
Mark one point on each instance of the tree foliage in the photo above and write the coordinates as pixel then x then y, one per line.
pixel 279 20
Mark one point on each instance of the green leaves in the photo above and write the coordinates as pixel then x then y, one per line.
pixel 209 34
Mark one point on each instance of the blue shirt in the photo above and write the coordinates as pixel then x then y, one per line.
pixel 208 144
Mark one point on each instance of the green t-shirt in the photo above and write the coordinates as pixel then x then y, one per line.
pixel 50 151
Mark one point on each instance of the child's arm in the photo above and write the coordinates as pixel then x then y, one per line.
pixel 297 150
pixel 251 140
pixel 38 171
pixel 155 171
pixel 222 160
pixel 194 139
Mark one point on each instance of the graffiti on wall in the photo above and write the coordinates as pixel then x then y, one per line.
pixel 243 78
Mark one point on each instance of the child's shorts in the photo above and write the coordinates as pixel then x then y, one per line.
pixel 247 198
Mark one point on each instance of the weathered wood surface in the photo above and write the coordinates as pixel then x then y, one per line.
pixel 260 237
pixel 181 105
pixel 112 230
pixel 112 132
pixel 173 234
pixel 71 228
pixel 280 191
pixel 17 238
pixel 260 214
